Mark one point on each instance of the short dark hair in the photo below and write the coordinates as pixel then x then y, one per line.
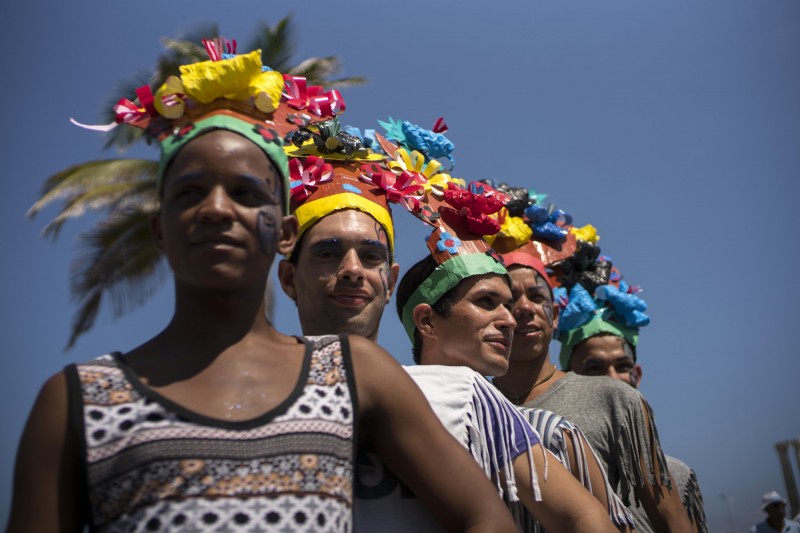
pixel 412 279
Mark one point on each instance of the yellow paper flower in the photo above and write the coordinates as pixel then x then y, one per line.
pixel 587 233
pixel 235 78
pixel 266 90
pixel 414 162
pixel 512 229
pixel 165 101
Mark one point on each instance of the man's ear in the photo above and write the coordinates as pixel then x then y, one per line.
pixel 636 376
pixel 555 316
pixel 394 273
pixel 155 230
pixel 288 234
pixel 423 314
pixel 286 277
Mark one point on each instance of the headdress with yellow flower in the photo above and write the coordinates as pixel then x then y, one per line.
pixel 331 171
pixel 229 92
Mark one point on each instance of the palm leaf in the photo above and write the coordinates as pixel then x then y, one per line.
pixel 119 261
pixel 318 71
pixel 276 44
pixel 98 185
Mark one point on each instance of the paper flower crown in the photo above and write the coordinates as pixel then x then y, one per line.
pixel 461 217
pixel 332 170
pixel 532 234
pixel 230 92
pixel 594 299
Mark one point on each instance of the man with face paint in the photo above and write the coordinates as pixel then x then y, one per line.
pixel 220 421
pixel 342 272
pixel 608 349
pixel 616 419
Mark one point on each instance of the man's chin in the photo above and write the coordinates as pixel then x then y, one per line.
pixel 356 325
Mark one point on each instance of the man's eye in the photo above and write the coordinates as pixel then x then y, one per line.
pixel 374 257
pixel 187 193
pixel 249 195
pixel 487 302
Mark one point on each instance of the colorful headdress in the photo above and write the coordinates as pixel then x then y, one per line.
pixel 461 218
pixel 229 92
pixel 532 234
pixel 595 299
pixel 332 171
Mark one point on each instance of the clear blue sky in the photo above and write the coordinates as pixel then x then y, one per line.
pixel 672 126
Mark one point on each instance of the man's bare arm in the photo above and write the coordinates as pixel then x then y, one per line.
pixel 566 505
pixel 400 424
pixel 46 496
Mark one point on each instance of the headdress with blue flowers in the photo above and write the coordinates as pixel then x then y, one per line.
pixel 594 299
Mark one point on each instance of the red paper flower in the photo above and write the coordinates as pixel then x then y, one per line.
pixel 306 176
pixel 405 187
pixel 475 208
pixel 313 98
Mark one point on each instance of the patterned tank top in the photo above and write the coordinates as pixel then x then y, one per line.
pixel 151 465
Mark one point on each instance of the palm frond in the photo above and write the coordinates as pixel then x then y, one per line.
pixel 98 185
pixel 319 70
pixel 139 196
pixel 343 83
pixel 197 32
pixel 118 261
pixel 276 43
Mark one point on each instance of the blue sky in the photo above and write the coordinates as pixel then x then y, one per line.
pixel 672 126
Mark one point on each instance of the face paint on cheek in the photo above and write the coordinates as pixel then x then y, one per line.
pixel 634 378
pixel 548 313
pixel 385 278
pixel 547 305
pixel 380 235
pixel 267 232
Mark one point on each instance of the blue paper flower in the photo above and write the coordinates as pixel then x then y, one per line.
pixel 548 225
pixel 626 305
pixel 433 145
pixel 448 242
pixel 579 310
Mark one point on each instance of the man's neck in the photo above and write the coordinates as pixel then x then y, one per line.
pixel 217 315
pixel 776 526
pixel 527 379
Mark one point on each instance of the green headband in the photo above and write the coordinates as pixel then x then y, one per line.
pixel 268 140
pixel 445 277
pixel 600 323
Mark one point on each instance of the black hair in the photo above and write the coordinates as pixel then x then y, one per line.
pixel 412 279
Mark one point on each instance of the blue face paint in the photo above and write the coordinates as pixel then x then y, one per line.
pixel 267 232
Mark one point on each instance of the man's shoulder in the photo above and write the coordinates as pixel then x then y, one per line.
pixel 602 387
